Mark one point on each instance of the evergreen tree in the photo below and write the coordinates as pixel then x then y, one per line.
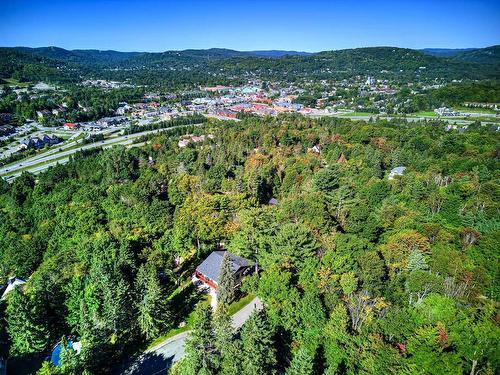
pixel 201 354
pixel 223 329
pixel 68 358
pixel 232 359
pixel 48 368
pixel 27 333
pixel 153 312
pixel 227 282
pixel 259 354
pixel 326 180
pixel 302 364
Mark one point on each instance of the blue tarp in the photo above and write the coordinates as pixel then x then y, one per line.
pixel 56 353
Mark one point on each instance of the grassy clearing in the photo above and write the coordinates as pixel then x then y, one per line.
pixel 12 81
pixel 487 111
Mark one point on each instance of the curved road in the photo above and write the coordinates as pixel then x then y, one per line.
pixel 159 358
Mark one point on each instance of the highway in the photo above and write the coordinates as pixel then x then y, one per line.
pixel 40 162
pixel 450 120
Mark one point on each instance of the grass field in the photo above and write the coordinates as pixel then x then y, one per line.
pixel 238 305
pixel 424 114
pixel 360 114
pixel 486 111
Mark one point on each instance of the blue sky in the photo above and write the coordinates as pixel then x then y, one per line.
pixel 315 25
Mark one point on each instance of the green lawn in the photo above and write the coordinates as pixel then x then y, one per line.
pixel 424 114
pixel 476 110
pixel 238 305
pixel 349 114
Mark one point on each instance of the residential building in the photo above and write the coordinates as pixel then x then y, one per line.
pixel 39 142
pixel 208 272
pixel 71 126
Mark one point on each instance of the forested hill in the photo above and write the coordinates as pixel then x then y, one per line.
pixel 488 55
pixel 196 66
pixel 359 273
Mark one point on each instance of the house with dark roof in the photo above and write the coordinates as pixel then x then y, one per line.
pixel 208 272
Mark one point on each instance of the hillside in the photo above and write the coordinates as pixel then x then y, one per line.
pixel 489 55
pixel 199 66
pixel 364 273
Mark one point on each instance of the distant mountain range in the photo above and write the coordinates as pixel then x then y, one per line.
pixel 489 55
pixel 217 64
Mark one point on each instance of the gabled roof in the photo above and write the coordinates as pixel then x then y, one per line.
pixel 211 266
pixel 11 284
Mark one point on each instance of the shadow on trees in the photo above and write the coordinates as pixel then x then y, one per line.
pixel 25 365
pixel 148 364
pixel 183 303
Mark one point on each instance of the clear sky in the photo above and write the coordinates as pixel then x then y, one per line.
pixel 315 25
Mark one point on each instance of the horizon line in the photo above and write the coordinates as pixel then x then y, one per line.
pixel 247 51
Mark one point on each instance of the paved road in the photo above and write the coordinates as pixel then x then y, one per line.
pixel 45 158
pixel 159 358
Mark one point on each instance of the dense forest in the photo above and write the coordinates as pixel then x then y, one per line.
pixel 216 66
pixel 358 273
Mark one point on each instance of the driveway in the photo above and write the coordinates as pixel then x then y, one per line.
pixel 159 358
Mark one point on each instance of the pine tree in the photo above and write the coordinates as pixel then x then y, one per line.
pixel 258 346
pixel 227 282
pixel 26 331
pixel 201 354
pixel 223 329
pixel 232 360
pixel 302 364
pixel 153 312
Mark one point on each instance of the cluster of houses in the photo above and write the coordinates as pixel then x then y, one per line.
pixel 226 102
pixel 39 142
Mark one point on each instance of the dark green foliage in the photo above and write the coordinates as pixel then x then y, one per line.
pixel 358 273
pixel 26 329
pixel 302 364
pixel 227 282
pixel 201 353
pixel 259 356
